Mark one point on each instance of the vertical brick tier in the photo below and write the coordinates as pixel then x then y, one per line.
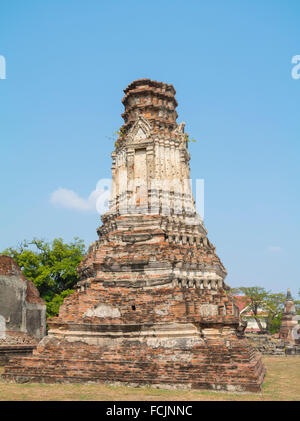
pixel 153 100
pixel 151 306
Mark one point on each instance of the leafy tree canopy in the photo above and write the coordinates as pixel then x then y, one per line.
pixel 50 266
pixel 297 304
pixel 259 300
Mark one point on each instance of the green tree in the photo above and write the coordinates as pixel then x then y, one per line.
pixel 275 324
pixel 274 305
pixel 258 300
pixel 50 266
pixel 297 304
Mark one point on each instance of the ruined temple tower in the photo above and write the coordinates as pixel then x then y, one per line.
pixel 151 306
pixel 290 328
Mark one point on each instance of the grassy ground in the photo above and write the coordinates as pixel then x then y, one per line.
pixel 281 383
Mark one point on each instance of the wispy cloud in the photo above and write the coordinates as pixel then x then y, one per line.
pixel 97 201
pixel 70 199
pixel 274 249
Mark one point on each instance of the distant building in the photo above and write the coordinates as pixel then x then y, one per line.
pixel 290 328
pixel 243 303
pixel 21 308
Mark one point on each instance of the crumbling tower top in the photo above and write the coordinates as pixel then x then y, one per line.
pixel 154 101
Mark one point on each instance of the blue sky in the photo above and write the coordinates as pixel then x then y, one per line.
pixel 67 63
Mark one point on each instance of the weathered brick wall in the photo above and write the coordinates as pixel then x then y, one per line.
pixel 266 344
pixel 20 302
pixel 128 255
pixel 161 305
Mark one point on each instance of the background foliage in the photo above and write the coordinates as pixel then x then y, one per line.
pixel 264 306
pixel 51 266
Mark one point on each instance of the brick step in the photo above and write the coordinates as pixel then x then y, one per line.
pixel 108 370
pixel 47 359
pixel 210 383
pixel 34 363
pixel 108 374
pixel 105 373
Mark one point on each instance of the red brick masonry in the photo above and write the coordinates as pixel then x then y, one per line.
pixel 147 343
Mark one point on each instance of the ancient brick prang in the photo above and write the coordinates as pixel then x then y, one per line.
pixel 290 327
pixel 152 306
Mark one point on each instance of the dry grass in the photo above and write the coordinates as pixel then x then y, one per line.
pixel 282 383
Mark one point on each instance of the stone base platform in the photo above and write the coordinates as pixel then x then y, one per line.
pixel 167 337
pixel 183 362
